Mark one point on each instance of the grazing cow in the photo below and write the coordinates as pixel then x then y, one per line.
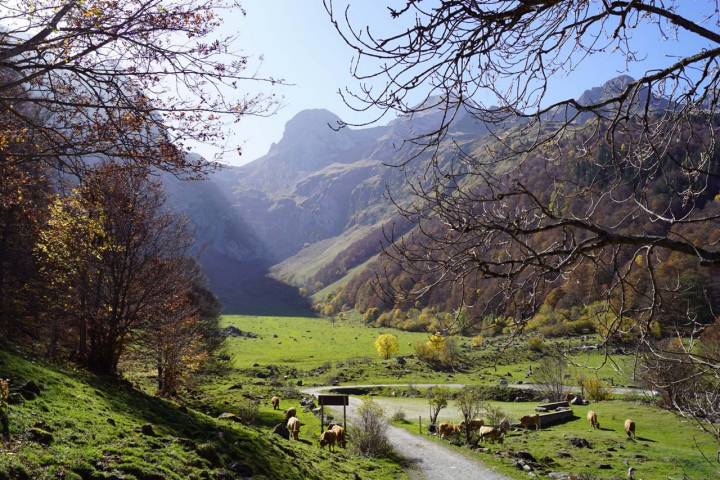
pixel 340 434
pixel 328 437
pixel 630 428
pixel 592 418
pixel 275 402
pixel 528 421
pixel 293 425
pixel 290 412
pixel 491 433
pixel 446 429
pixel 474 424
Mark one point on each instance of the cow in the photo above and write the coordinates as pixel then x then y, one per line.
pixel 592 418
pixel 293 425
pixel 630 428
pixel 528 421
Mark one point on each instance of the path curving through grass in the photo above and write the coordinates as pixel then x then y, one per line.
pixel 426 459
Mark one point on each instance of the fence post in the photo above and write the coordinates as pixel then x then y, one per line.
pixel 420 423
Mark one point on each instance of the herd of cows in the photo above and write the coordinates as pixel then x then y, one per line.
pixel 335 434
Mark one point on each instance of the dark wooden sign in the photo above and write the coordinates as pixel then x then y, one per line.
pixel 333 400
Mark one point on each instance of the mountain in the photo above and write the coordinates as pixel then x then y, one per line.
pixel 314 212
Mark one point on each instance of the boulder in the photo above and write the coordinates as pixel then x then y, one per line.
pixel 578 442
pixel 148 430
pixel 229 416
pixel 31 387
pixel 41 436
pixel 281 429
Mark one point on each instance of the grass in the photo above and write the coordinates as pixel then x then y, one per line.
pixel 667 447
pixel 96 425
pixel 306 342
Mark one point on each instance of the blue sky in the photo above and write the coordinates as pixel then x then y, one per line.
pixel 296 42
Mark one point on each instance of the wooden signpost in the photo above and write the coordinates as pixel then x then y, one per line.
pixel 332 401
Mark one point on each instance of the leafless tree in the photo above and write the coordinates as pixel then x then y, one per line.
pixel 550 376
pixel 132 81
pixel 610 197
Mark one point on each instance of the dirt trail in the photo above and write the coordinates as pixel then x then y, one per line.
pixel 427 459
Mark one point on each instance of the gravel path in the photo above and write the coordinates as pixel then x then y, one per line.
pixel 427 459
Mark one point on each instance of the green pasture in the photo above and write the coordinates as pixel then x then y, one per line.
pixel 667 446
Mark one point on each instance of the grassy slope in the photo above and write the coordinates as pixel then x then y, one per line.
pixel 308 261
pixel 78 408
pixel 667 446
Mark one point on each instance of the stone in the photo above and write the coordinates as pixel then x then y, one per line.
pixel 41 436
pixel 148 430
pixel 31 387
pixel 229 416
pixel 16 398
pixel 281 429
pixel 605 466
pixel 559 476
pixel 527 456
pixel 578 442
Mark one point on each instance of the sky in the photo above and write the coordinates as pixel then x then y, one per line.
pixel 294 40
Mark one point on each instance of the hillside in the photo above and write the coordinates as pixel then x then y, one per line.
pixel 84 427
pixel 314 211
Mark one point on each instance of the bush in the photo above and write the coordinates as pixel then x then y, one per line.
pixel 477 341
pixel 494 415
pixel 596 389
pixel 536 344
pixel 247 412
pixel 398 416
pixel 370 431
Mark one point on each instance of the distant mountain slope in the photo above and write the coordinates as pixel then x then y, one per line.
pixel 315 206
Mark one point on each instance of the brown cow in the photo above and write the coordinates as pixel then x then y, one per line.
pixel 528 421
pixel 630 428
pixel 328 437
pixel 340 434
pixel 474 424
pixel 293 426
pixel 446 429
pixel 592 418
pixel 491 433
pixel 290 412
pixel 275 402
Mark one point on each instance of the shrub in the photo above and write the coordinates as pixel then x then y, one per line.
pixel 247 412
pixel 536 344
pixel 371 314
pixel 399 416
pixel 424 352
pixel 596 389
pixel 477 341
pixel 494 415
pixel 370 431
